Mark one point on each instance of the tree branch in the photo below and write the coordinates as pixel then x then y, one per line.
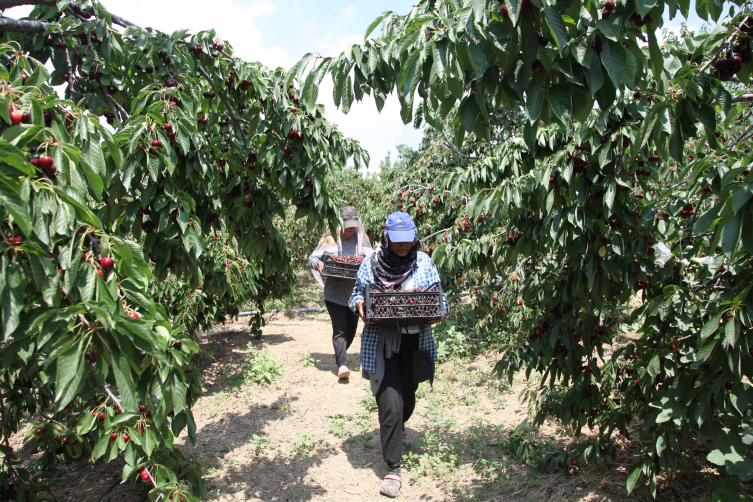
pixel 735 142
pixel 7 4
pixel 115 106
pixel 740 98
pixel 435 233
pixel 24 26
pixel 112 396
pixel 235 118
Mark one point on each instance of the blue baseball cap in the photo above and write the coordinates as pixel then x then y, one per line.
pixel 400 227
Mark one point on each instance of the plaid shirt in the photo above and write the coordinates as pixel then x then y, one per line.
pixel 424 275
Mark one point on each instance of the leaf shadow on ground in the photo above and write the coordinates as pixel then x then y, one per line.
pixel 235 442
pixel 226 356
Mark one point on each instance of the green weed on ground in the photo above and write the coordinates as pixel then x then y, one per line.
pixel 260 368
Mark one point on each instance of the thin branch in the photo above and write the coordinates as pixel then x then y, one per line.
pixel 7 4
pixel 117 20
pixel 672 188
pixel 235 118
pixel 114 105
pixel 436 233
pixel 740 98
pixel 24 26
pixel 112 396
pixel 734 143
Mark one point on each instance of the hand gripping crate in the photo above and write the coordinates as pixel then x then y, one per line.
pixel 404 308
pixel 334 268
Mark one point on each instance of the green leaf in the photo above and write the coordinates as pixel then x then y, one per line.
pixel 535 100
pixel 731 234
pixel 559 100
pixel 11 199
pixel 376 22
pixel 635 474
pixel 122 371
pixel 469 113
pixel 556 24
pixel 150 441
pixel 70 373
pixel 614 59
pixel 645 6
pixel 657 59
pixel 711 326
pixel 707 219
pixel 101 446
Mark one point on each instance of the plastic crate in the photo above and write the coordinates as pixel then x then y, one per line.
pixel 404 308
pixel 338 269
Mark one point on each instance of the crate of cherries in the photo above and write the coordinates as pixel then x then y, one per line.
pixel 344 267
pixel 397 307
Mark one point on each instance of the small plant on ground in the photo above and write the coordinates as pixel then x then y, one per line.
pixel 308 361
pixel 261 368
pixel 369 402
pixel 338 425
pixel 305 443
pixel 259 442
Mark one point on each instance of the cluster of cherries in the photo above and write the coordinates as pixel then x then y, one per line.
pixel 292 96
pixel 579 165
pixel 295 135
pixel 386 312
pixel 44 163
pixel 615 224
pixel 687 211
pixel 14 240
pixel 155 144
pixel 349 260
pixel 538 331
pixel 642 285
pixel 512 239
pixel 169 131
pixel 387 304
pixel 463 225
pixel 91 357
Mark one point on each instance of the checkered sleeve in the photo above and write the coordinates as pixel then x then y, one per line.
pixel 370 334
pixel 363 277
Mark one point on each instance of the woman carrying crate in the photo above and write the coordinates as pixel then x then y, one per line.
pixel 397 358
pixel 352 241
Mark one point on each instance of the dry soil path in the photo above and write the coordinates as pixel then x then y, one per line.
pixel 309 437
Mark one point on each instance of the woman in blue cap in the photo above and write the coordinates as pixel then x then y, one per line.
pixel 387 353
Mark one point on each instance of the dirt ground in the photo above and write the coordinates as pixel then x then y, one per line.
pixel 308 436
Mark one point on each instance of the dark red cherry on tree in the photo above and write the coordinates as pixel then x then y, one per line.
pixel 107 262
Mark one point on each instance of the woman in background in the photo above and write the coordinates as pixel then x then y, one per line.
pixel 352 241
